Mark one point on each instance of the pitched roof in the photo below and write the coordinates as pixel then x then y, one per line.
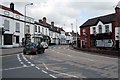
pixel 67 33
pixel 55 29
pixel 6 8
pixel 105 19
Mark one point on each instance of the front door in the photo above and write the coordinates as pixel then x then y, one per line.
pixel 8 39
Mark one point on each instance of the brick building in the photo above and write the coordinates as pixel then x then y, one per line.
pixel 101 32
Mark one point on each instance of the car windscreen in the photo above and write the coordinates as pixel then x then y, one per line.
pixel 32 45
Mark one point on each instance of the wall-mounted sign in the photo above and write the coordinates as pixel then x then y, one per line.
pixel 105 43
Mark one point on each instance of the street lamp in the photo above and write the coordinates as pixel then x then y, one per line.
pixel 76 34
pixel 25 12
pixel 25 21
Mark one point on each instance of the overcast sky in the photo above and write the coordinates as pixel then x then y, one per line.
pixel 65 12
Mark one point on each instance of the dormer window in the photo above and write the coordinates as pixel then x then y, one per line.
pixel 107 28
pixel 100 28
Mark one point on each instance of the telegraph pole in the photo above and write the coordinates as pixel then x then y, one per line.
pixel 76 33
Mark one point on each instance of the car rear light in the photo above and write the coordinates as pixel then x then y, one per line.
pixel 34 49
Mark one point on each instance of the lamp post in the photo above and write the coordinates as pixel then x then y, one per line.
pixel 25 21
pixel 25 12
pixel 76 33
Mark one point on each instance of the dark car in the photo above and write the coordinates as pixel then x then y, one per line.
pixel 30 48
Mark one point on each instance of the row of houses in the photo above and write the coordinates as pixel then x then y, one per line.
pixel 102 31
pixel 16 28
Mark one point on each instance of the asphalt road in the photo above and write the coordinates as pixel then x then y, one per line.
pixel 59 62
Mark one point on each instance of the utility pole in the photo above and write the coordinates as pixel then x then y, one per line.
pixel 76 33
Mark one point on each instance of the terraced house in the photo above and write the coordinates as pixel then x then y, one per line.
pixel 11 21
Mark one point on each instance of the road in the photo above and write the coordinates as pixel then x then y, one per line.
pixel 59 62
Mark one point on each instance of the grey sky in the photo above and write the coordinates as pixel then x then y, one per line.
pixel 65 11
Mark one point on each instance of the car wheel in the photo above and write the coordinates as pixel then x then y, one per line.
pixel 24 52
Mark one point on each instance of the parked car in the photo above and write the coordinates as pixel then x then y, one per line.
pixel 40 48
pixel 30 48
pixel 45 45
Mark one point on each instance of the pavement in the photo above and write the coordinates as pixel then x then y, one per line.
pixel 113 53
pixel 10 51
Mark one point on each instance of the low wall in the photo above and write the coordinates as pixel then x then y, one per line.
pixel 104 52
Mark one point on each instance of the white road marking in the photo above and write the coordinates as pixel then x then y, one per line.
pixel 7 55
pixel 31 57
pixel 29 62
pixel 15 68
pixel 37 67
pixel 32 64
pixel 52 76
pixel 44 71
pixel 45 66
pixel 59 72
pixel 24 65
pixel 24 58
pixel 64 74
pixel 18 56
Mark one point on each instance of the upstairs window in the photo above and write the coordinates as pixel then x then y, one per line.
pixel 42 30
pixel 83 31
pixel 94 30
pixel 17 27
pixel 6 25
pixel 39 29
pixel 27 29
pixel 107 28
pixel 35 28
pixel 100 28
pixel 46 31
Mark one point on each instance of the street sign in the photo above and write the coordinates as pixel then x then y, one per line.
pixel 105 43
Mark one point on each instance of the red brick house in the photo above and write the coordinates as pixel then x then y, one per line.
pixel 101 32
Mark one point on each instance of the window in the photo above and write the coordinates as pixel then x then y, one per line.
pixel 35 28
pixel 39 29
pixel 42 30
pixel 17 39
pixel 27 29
pixel 6 25
pixel 83 31
pixel 17 27
pixel 94 30
pixel 46 31
pixel 106 28
pixel 100 29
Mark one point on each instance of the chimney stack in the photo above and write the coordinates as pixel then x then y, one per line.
pixel 40 21
pixel 44 20
pixel 12 6
pixel 117 11
pixel 52 24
